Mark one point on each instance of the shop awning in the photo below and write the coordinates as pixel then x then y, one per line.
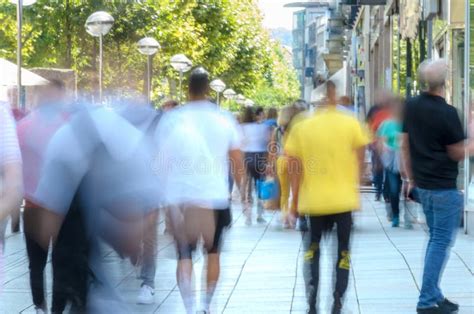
pixel 8 77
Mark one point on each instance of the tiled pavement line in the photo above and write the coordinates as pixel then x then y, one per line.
pixel 463 261
pixel 246 260
pixel 384 230
pixel 355 288
pixel 297 269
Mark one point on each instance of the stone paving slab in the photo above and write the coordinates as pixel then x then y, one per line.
pixel 262 271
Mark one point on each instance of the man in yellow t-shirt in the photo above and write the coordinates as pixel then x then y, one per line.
pixel 326 155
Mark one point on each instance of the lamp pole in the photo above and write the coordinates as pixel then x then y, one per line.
pixel 101 66
pixel 99 24
pixel 19 18
pixel 148 46
pixel 182 64
pixel 180 86
pixel 218 86
pixel 19 46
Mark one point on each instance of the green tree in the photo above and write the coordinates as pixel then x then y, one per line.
pixel 225 36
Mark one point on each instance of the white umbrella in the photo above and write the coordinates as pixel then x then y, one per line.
pixel 8 75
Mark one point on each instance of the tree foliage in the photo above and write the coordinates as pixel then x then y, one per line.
pixel 224 36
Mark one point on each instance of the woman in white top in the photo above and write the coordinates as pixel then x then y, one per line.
pixel 11 183
pixel 256 136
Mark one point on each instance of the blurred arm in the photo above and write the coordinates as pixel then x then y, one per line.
pixel 48 225
pixel 237 166
pixel 11 189
pixel 361 161
pixel 295 172
pixel 457 152
pixel 405 156
pixel 272 153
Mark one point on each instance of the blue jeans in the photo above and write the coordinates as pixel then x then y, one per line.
pixel 443 210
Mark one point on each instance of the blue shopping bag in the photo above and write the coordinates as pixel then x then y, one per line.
pixel 267 189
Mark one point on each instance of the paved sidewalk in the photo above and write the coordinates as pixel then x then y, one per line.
pixel 261 270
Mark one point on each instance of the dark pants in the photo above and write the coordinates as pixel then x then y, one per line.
pixel 69 259
pixel 319 224
pixel 255 164
pixel 377 173
pixel 37 257
pixel 386 186
pixel 378 182
pixel 71 270
pixel 394 186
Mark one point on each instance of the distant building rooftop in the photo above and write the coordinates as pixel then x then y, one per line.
pixel 308 4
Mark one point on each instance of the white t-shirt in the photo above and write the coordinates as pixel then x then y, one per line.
pixel 9 148
pixel 256 137
pixel 193 155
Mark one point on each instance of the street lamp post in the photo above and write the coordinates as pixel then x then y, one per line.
pixel 19 17
pixel 148 46
pixel 99 24
pixel 240 99
pixel 218 86
pixel 249 103
pixel 182 64
pixel 229 93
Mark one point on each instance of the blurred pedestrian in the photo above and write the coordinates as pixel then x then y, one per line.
pixel 433 144
pixel 11 183
pixel 375 117
pixel 198 143
pixel 388 147
pixel 169 105
pixel 146 120
pixel 34 133
pixel 95 188
pixel 18 114
pixel 259 114
pixel 326 158
pixel 272 117
pixel 256 137
pixel 278 162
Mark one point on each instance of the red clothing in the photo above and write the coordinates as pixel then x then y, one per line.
pixel 34 133
pixel 18 114
pixel 379 117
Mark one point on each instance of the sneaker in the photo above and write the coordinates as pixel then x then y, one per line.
pixel 248 221
pixel 40 310
pixel 448 306
pixel 312 310
pixel 408 226
pixel 430 310
pixel 261 220
pixel 337 305
pixel 146 295
pixel 396 222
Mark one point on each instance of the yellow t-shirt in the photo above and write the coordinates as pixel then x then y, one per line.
pixel 327 146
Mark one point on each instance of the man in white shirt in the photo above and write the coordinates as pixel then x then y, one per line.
pixel 197 144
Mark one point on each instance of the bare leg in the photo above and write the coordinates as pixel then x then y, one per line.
pixel 184 276
pixel 213 271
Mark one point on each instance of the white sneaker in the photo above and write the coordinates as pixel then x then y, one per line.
pixel 40 310
pixel 146 295
pixel 248 221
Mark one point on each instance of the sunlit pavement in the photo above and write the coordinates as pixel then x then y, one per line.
pixel 261 270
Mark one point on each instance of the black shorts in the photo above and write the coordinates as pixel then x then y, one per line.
pixel 195 224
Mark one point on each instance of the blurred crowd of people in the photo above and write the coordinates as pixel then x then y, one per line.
pixel 93 175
